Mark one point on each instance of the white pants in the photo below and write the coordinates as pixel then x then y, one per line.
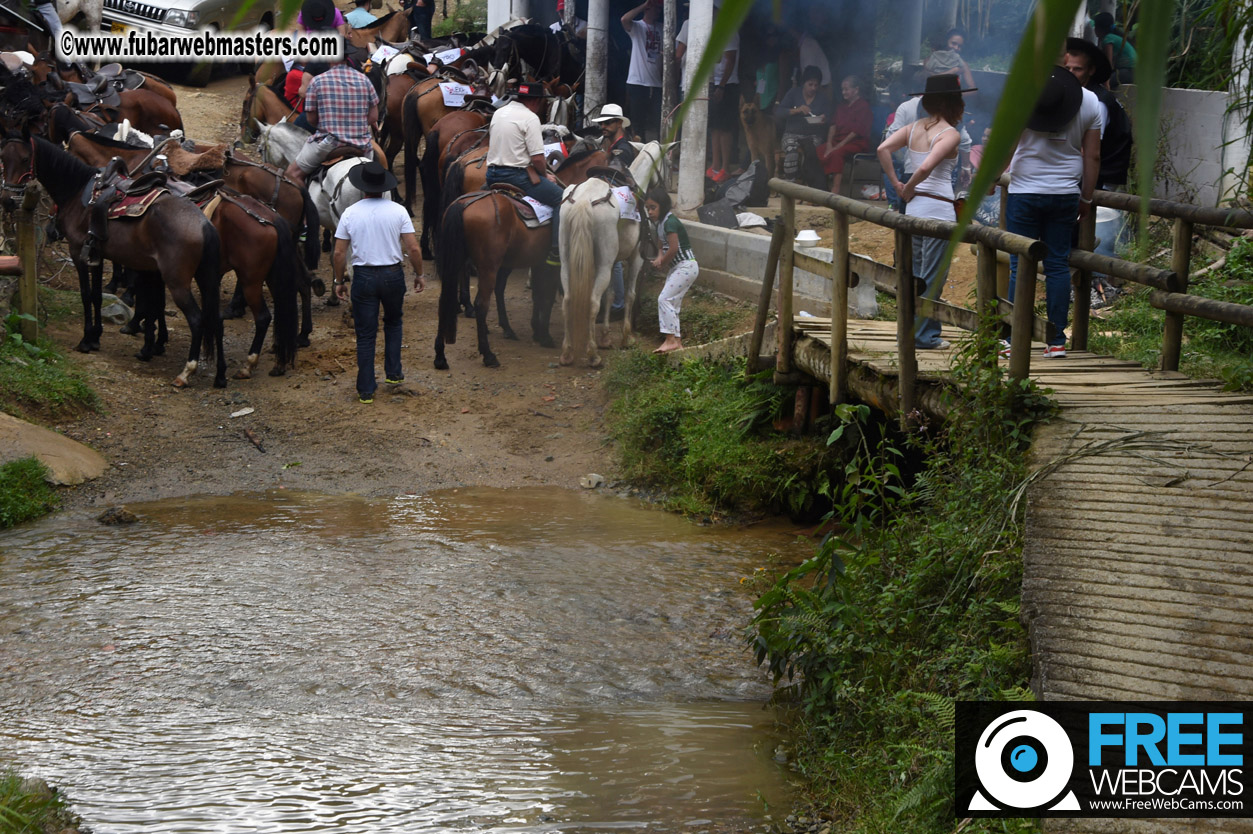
pixel 682 276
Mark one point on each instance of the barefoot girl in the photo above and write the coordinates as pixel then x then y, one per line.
pixel 676 260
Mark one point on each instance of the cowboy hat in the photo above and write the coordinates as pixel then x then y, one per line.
pixel 943 85
pixel 530 90
pixel 372 178
pixel 1058 103
pixel 317 14
pixel 611 112
pixel 1101 70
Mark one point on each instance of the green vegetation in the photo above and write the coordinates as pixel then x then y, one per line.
pixel 704 435
pixel 36 380
pixel 1211 349
pixel 28 806
pixel 909 603
pixel 24 494
pixel 465 16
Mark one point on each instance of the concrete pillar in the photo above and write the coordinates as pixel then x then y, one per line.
pixel 912 31
pixel 696 122
pixel 500 12
pixel 1080 23
pixel 669 72
pixel 948 14
pixel 1236 146
pixel 596 90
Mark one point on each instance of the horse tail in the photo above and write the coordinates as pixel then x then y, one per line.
pixel 284 272
pixel 412 126
pixel 430 181
pixel 450 267
pixel 454 185
pixel 209 279
pixel 579 230
pixel 312 225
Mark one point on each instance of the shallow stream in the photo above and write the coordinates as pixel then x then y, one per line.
pixel 473 660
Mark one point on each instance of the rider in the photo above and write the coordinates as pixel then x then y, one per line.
pixel 342 108
pixel 617 144
pixel 515 154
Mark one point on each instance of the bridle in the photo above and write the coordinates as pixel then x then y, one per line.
pixel 17 190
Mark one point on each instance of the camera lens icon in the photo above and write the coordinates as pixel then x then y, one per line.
pixel 1024 760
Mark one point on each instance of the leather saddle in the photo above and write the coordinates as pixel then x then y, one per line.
pixel 98 92
pixel 614 176
pixel 340 153
pixel 526 212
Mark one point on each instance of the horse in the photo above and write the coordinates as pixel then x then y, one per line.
pixel 263 105
pixel 391 28
pixel 172 237
pixel 92 12
pixel 483 228
pixel 593 238
pixel 458 126
pixel 146 110
pixel 421 108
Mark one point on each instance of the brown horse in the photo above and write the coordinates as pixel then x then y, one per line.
pixel 145 110
pixel 446 132
pixel 391 28
pixel 395 88
pixel 262 104
pixel 43 68
pixel 171 237
pixel 484 229
pixel 420 108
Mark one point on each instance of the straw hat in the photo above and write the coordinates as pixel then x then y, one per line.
pixel 611 112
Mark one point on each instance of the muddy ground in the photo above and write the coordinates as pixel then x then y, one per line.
pixel 526 422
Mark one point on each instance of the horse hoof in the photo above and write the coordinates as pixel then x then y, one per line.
pixel 318 286
pixel 332 301
pixel 232 313
pixel 83 347
pixel 277 371
pixel 303 341
pixel 595 362
pixel 219 382
pixel 545 341
pixel 566 359
pixel 159 350
pixel 179 382
pixel 129 329
pixel 469 312
pixel 441 364
pixel 143 357
pixel 490 361
pixel 511 336
pixel 93 346
pixel 242 374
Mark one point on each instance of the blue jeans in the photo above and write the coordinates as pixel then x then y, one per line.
pixel 546 191
pixel 928 254
pixel 303 123
pixel 619 285
pixel 1051 219
pixel 371 287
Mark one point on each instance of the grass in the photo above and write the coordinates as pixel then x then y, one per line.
pixel 30 806
pixel 38 382
pixel 24 494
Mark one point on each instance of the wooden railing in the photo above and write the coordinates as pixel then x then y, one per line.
pixel 846 269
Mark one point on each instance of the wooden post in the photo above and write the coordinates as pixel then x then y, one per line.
pixel 1180 262
pixel 28 283
pixel 763 300
pixel 1024 314
pixel 905 303
pixel 985 296
pixel 1083 284
pixel 1003 219
pixel 784 362
pixel 839 308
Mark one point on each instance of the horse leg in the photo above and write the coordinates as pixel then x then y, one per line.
pixel 97 326
pixel 236 307
pixel 261 317
pixel 306 314
pixel 145 318
pixel 501 277
pixel 632 267
pixel 481 303
pixel 163 333
pixel 567 347
pixel 543 294
pixel 441 361
pixel 196 323
pixel 466 303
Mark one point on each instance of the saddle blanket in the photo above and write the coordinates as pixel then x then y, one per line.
pixel 554 147
pixel 628 209
pixel 454 94
pixel 445 57
pixel 134 206
pixel 384 53
pixel 543 213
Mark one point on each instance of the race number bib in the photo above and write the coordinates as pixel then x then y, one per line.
pixel 384 53
pixel 454 94
pixel 448 56
pixel 543 213
pixel 627 207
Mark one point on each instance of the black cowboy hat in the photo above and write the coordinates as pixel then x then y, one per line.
pixel 317 14
pixel 531 90
pixel 943 85
pixel 1058 104
pixel 372 178
pixel 1101 70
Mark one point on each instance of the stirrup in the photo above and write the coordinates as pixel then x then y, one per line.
pixel 90 254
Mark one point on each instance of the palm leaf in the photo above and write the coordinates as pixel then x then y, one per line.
pixel 727 22
pixel 1154 46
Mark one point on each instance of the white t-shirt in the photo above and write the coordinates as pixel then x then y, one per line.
pixel 811 55
pixel 645 70
pixel 733 46
pixel 373 228
pixel 907 114
pixel 1052 163
pixel 514 136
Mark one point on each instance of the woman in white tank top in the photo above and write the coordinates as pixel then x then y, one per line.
pixel 932 142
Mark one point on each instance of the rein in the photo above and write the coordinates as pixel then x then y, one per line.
pixel 18 189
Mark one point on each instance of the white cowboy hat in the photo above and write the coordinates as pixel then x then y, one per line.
pixel 610 112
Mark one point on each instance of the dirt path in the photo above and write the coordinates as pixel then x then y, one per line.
pixel 527 422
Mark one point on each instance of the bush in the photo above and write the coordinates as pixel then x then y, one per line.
pixel 466 16
pixel 36 380
pixel 24 494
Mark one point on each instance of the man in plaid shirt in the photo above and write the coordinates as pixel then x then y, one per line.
pixel 342 107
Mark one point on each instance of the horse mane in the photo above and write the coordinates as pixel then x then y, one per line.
pixel 61 165
pixel 21 101
pixel 575 158
pixel 379 21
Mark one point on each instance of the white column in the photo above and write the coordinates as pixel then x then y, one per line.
pixel 669 80
pixel 912 32
pixel 1080 23
pixel 597 55
pixel 500 12
pixel 696 123
pixel 1235 149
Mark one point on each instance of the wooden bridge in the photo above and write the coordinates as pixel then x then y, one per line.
pixel 1138 554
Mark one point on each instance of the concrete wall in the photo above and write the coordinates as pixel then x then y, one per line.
pixel 734 263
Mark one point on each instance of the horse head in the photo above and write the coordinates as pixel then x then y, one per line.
pixel 17 167
pixel 647 164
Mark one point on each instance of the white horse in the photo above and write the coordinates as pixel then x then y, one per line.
pixel 331 192
pixel 594 236
pixel 91 10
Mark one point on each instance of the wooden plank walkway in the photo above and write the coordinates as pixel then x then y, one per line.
pixel 1138 559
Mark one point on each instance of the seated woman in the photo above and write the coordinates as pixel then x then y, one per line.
pixel 849 134
pixel 805 112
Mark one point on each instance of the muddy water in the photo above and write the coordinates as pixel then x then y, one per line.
pixel 487 660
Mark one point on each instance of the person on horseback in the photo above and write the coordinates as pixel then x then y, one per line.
pixel 342 108
pixel 515 154
pixel 612 123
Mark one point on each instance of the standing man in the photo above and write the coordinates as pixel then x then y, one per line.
pixel 644 75
pixel 421 14
pixel 1052 176
pixel 361 16
pixel 1088 63
pixel 515 155
pixel 342 108
pixel 378 230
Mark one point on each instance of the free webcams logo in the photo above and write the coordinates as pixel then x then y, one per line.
pixel 1101 759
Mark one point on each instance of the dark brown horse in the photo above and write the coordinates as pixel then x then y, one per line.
pixel 439 139
pixel 171 238
pixel 43 69
pixel 145 110
pixel 420 108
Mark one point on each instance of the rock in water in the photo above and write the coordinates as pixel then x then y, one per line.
pixel 591 481
pixel 117 515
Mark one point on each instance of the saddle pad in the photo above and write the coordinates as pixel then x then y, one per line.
pixel 628 208
pixel 445 57
pixel 543 213
pixel 134 206
pixel 454 94
pixel 554 147
pixel 383 54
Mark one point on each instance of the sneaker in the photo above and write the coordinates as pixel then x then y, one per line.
pixel 1055 352
pixel 710 173
pixel 943 344
pixel 1004 351
pixel 394 381
pixel 617 313
pixel 720 176
pixel 365 398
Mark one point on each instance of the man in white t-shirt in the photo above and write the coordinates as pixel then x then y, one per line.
pixel 1052 176
pixel 380 233
pixel 644 75
pixel 724 101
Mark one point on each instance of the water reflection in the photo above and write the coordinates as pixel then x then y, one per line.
pixel 479 659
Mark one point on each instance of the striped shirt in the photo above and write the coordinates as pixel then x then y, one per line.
pixel 342 98
pixel 671 224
